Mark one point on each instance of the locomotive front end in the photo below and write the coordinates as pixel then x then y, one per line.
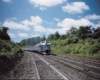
pixel 45 47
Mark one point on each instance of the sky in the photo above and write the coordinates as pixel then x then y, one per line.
pixel 31 18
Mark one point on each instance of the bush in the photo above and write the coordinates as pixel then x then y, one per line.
pixel 98 40
pixel 62 37
pixel 91 41
pixel 94 49
pixel 69 41
pixel 76 52
pixel 9 49
pixel 72 40
pixel 67 51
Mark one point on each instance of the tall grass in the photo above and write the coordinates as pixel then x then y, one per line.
pixel 9 49
pixel 90 48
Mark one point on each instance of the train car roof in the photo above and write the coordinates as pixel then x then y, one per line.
pixel 37 44
pixel 45 42
pixel 42 43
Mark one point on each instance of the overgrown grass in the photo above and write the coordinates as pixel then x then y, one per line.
pixel 10 55
pixel 89 47
pixel 10 49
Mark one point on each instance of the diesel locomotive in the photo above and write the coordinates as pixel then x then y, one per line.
pixel 44 47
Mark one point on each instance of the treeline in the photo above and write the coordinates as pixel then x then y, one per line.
pixel 31 41
pixel 83 32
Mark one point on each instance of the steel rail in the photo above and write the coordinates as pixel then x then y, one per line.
pixel 54 68
pixel 92 66
pixel 38 76
pixel 86 61
pixel 76 67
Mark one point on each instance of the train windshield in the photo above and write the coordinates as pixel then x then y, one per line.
pixel 43 47
pixel 48 46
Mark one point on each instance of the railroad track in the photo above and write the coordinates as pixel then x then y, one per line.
pixel 45 70
pixel 37 73
pixel 86 61
pixel 81 63
pixel 89 69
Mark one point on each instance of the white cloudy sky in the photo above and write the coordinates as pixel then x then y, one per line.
pixel 30 18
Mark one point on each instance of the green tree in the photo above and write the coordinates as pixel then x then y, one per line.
pixel 3 33
pixel 43 38
pixel 51 37
pixel 56 35
pixel 96 33
pixel 97 29
pixel 63 36
pixel 73 30
pixel 81 33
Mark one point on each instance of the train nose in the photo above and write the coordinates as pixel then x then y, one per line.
pixel 46 48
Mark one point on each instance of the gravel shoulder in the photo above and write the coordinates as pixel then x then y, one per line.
pixel 45 71
pixel 25 69
pixel 70 71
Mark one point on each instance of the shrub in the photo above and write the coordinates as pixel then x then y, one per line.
pixel 91 42
pixel 98 40
pixel 9 49
pixel 69 41
pixel 94 49
pixel 67 51
pixel 3 50
pixel 76 52
pixel 74 40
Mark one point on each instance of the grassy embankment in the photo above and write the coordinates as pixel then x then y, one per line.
pixel 10 53
pixel 89 47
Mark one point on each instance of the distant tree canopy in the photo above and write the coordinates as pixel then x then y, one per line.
pixel 3 33
pixel 96 33
pixel 30 41
pixel 72 30
pixel 50 37
pixel 54 36
pixel 43 38
pixel 83 32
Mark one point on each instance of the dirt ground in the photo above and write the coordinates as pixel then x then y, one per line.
pixel 25 69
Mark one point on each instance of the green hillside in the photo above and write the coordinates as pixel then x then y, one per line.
pixel 91 47
pixel 10 52
pixel 81 42
pixel 10 49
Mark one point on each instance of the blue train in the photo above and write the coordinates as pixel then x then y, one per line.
pixel 44 47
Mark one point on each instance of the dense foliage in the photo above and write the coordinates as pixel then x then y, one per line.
pixel 8 48
pixel 10 52
pixel 84 41
pixel 3 33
